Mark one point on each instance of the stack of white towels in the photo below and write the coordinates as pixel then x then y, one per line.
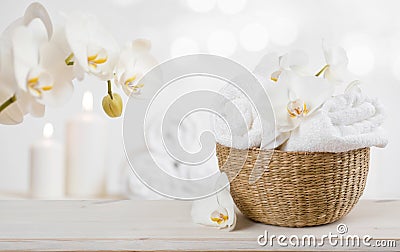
pixel 344 122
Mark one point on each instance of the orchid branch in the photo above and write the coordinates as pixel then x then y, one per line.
pixel 322 70
pixel 8 102
pixel 109 89
pixel 68 60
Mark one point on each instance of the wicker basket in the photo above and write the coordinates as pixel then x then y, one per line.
pixel 298 188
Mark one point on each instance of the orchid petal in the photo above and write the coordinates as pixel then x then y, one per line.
pixel 20 45
pixel 8 32
pixel 225 199
pixel 127 90
pixel 38 32
pixel 12 114
pixel 279 97
pixel 338 56
pixel 78 38
pixel 301 70
pixel 7 77
pixel 59 94
pixel 28 104
pixel 222 202
pixel 26 41
pixel 327 52
pixel 267 65
pixel 144 63
pixel 23 101
pixel 202 209
pixel 270 141
pixel 11 117
pixel 337 61
pixel 37 109
pixel 79 72
pixel 285 123
pixel 313 91
pixel 141 45
pixel 336 73
pixel 294 58
pixel 86 38
pixel 52 55
pixel 36 10
pixel 133 63
pixel 6 57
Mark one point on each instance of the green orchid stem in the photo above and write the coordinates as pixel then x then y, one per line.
pixel 68 60
pixel 109 89
pixel 7 103
pixel 322 70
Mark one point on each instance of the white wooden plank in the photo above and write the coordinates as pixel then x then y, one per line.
pixel 160 225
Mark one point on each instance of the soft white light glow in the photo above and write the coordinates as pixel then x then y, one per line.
pixel 359 52
pixel 48 130
pixel 283 31
pixel 183 46
pixel 231 6
pixel 87 101
pixel 222 43
pixel 201 5
pixel 125 3
pixel 361 59
pixel 396 68
pixel 254 37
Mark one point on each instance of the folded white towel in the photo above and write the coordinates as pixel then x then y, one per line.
pixel 345 122
pixel 238 125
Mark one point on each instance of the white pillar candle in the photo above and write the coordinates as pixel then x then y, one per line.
pixel 87 135
pixel 47 166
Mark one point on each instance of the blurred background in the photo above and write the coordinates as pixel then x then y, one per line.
pixel 242 30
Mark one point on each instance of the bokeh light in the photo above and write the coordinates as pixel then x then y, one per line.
pixel 231 6
pixel 254 37
pixel 183 46
pixel 283 31
pixel 222 43
pixel 396 68
pixel 125 3
pixel 201 5
pixel 360 53
pixel 361 59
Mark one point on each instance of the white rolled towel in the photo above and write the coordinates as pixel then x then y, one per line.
pixel 237 124
pixel 345 122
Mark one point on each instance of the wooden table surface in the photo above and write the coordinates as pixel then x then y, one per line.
pixel 164 225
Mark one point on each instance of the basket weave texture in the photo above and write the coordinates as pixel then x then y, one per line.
pixel 297 189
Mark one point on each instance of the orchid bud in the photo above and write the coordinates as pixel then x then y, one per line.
pixel 112 105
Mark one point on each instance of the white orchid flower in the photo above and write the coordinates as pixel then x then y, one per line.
pixel 336 59
pixel 271 65
pixel 296 97
pixel 11 112
pixel 13 107
pixel 39 65
pixel 217 210
pixel 134 61
pixel 15 102
pixel 93 49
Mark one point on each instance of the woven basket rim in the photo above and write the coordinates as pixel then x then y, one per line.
pixel 293 152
